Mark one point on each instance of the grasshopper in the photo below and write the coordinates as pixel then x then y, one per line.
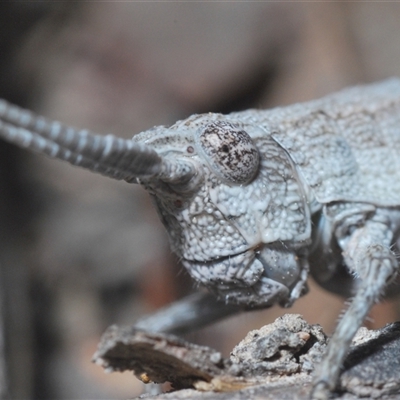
pixel 254 201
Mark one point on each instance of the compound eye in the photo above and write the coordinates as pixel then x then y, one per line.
pixel 229 151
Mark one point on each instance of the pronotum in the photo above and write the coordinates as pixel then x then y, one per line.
pixel 254 201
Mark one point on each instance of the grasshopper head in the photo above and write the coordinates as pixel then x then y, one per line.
pixel 228 194
pixel 238 222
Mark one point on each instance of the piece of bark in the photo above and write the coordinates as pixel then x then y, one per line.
pixel 158 357
pixel 372 368
pixel 273 351
pixel 273 362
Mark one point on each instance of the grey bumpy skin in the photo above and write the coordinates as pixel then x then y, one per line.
pixel 254 200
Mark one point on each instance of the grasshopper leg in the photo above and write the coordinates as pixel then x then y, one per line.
pixel 368 255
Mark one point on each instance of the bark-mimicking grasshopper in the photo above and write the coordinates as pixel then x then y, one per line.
pixel 254 200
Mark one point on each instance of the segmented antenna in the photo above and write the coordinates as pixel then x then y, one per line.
pixel 109 155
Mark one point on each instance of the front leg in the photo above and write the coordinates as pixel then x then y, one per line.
pixel 192 312
pixel 367 253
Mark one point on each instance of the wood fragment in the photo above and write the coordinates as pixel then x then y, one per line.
pixel 276 361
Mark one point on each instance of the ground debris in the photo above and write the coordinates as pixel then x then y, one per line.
pixel 372 368
pixel 287 346
pixel 158 357
pixel 275 361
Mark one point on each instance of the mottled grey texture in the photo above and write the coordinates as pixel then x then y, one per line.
pixel 346 145
pixel 287 346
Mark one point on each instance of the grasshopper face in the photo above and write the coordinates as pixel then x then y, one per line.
pixel 235 208
pixel 239 222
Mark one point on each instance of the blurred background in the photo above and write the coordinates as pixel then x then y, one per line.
pixel 79 252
